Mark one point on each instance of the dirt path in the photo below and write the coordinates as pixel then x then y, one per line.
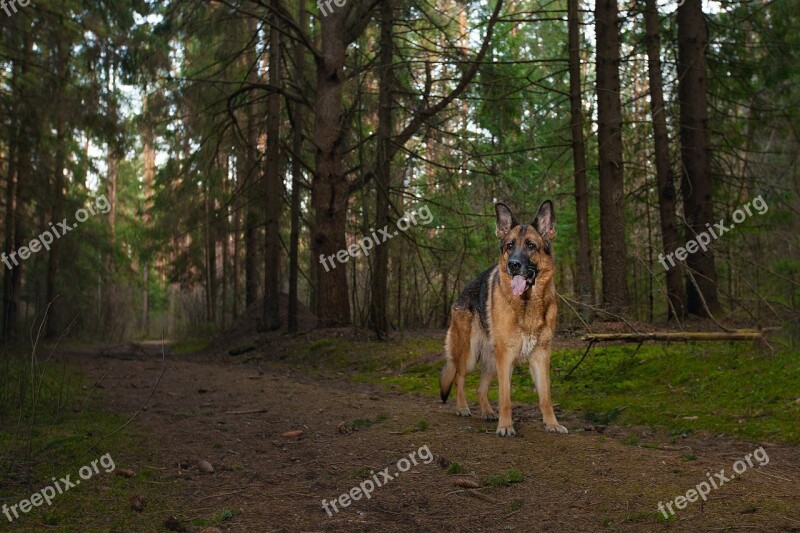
pixel 577 482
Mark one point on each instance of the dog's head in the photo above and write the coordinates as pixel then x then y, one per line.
pixel 526 252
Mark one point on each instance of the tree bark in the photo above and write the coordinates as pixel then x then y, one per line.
pixel 59 192
pixel 609 134
pixel 696 185
pixel 585 283
pixel 297 176
pixel 383 169
pixel 251 182
pixel 274 184
pixel 235 262
pixel 676 307
pixel 330 189
pixel 149 157
pixel 9 310
pixel 211 246
pixel 111 264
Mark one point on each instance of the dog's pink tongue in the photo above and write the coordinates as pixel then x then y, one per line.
pixel 518 284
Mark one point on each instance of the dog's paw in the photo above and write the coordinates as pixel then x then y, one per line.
pixel 463 412
pixel 556 428
pixel 507 431
pixel 491 416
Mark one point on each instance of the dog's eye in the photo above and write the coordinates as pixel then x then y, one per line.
pixel 530 245
pixel 510 245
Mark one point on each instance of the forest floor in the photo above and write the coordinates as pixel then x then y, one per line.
pixel 362 413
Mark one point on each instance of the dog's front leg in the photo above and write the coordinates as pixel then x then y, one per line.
pixel 505 365
pixel 540 372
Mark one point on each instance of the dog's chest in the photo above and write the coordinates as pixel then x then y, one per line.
pixel 527 345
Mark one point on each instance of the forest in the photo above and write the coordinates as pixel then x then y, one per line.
pixel 279 203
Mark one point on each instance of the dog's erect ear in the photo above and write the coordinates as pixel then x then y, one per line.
pixel 505 220
pixel 545 220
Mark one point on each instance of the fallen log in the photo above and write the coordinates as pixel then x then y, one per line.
pixel 666 336
pixel 736 335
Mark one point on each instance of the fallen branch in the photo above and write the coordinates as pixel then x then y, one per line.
pixel 735 335
pixel 250 412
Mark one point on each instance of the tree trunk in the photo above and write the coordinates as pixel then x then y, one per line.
pixel 585 284
pixel 383 169
pixel 59 192
pixel 211 251
pixel 274 183
pixel 18 162
pixel 235 266
pixel 9 310
pixel 111 264
pixel 696 185
pixel 225 244
pixel 609 135
pixel 297 149
pixel 173 290
pixel 57 213
pixel 664 176
pixel 149 156
pixel 251 183
pixel 330 189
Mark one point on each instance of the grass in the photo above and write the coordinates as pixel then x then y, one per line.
pixel 630 440
pixel 360 423
pixel 189 346
pixel 455 468
pixel 505 479
pixel 736 389
pixel 52 423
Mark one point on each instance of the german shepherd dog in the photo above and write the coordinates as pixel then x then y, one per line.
pixel 507 314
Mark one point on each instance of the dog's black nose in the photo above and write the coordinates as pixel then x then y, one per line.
pixel 514 267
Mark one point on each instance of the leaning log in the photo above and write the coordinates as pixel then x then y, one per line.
pixel 736 335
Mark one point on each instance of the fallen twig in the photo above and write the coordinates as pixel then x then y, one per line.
pixel 249 412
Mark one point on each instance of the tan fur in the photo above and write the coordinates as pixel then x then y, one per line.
pixel 520 327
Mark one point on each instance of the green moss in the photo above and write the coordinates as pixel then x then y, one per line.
pixel 730 388
pixel 223 516
pixel 361 473
pixel 360 423
pixel 422 425
pixel 504 480
pixel 189 346
pixel 727 388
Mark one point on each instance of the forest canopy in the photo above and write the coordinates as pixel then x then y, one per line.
pixel 240 144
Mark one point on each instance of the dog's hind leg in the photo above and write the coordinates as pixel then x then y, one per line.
pixel 458 357
pixel 462 368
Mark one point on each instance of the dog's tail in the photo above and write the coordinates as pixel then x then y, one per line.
pixel 448 374
pixel 446 379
